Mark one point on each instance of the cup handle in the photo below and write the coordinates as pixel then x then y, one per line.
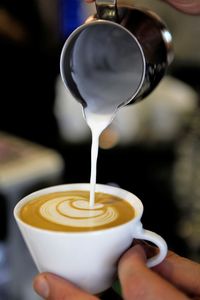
pixel 156 239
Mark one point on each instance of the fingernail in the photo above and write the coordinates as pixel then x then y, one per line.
pixel 41 286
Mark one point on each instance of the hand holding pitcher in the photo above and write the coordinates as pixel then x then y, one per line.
pixel 189 7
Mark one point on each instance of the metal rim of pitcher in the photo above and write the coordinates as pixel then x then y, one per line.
pixel 81 28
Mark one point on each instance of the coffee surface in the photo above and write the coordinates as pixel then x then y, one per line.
pixel 70 211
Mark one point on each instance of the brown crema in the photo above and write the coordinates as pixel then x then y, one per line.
pixel 69 211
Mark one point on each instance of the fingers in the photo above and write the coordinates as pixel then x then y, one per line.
pixel 52 287
pixel 182 272
pixel 140 283
pixel 187 6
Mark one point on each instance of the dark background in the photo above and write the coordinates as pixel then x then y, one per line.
pixel 29 66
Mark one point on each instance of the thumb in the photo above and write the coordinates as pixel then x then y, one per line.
pixel 52 287
pixel 140 283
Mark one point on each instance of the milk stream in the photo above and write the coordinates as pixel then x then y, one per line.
pixel 107 77
pixel 97 123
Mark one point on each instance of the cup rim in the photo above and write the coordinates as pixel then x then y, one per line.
pixel 105 188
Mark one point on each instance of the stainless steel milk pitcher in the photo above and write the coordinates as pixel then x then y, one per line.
pixel 117 57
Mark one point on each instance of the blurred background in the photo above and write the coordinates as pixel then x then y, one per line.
pixel 151 148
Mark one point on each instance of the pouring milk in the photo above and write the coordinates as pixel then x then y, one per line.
pixel 105 80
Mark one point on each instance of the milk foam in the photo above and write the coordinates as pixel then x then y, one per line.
pixel 76 212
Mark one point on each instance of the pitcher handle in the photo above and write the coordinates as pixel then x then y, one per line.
pixel 107 10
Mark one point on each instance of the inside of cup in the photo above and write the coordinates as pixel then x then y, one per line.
pixel 108 189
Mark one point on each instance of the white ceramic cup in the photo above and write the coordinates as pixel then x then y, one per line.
pixel 88 259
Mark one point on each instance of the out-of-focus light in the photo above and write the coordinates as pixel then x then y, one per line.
pixel 70 16
pixel 109 138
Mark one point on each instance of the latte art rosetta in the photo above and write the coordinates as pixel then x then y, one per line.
pixel 76 212
pixel 70 211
